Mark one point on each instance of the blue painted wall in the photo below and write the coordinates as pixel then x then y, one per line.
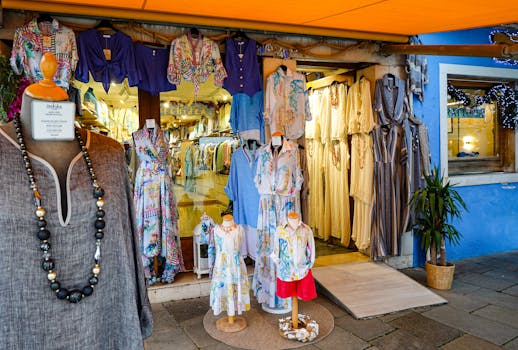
pixel 491 225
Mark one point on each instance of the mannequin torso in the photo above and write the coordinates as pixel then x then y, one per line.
pixel 59 154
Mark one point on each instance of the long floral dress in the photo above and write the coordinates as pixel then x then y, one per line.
pixel 229 289
pixel 155 205
pixel 279 180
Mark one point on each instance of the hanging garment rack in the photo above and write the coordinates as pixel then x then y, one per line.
pixel 338 78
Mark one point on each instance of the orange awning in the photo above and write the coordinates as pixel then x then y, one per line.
pixel 390 20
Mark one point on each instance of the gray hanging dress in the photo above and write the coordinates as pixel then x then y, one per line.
pixel 390 167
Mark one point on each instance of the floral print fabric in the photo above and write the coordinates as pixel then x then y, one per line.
pixel 229 289
pixel 34 39
pixel 293 251
pixel 279 180
pixel 286 106
pixel 155 205
pixel 194 60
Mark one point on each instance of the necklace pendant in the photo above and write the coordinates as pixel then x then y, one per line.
pixel 97 255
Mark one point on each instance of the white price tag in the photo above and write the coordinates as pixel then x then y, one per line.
pixel 53 120
pixel 150 123
pixel 276 140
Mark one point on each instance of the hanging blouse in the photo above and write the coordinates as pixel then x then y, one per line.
pixel 108 57
pixel 246 116
pixel 241 189
pixel 293 251
pixel 360 117
pixel 286 104
pixel 152 67
pixel 194 60
pixel 279 174
pixel 34 39
pixel 389 97
pixel 242 67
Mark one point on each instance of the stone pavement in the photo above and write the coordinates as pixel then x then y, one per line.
pixel 482 313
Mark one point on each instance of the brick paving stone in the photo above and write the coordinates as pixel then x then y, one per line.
pixel 469 342
pixel 340 339
pixel 484 281
pixel 499 314
pixel 394 316
pixel 496 298
pixel 172 339
pixel 465 266
pixel 426 329
pixel 199 336
pixel 163 320
pixel 511 290
pixel 183 310
pixel 512 345
pixel 460 287
pixel 365 329
pixel 489 330
pixel 502 273
pixel 399 340
pixel 334 309
pixel 418 274
pixel 462 302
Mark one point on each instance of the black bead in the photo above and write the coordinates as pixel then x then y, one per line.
pixel 98 192
pixel 62 293
pixel 99 235
pixel 47 265
pixel 43 234
pixel 93 280
pixel 42 223
pixel 75 296
pixel 45 246
pixel 99 224
pixel 100 213
pixel 54 285
pixel 87 291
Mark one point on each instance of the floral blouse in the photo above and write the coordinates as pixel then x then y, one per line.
pixel 286 106
pixel 32 40
pixel 279 173
pixel 293 251
pixel 194 59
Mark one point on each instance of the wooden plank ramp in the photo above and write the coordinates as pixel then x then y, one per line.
pixel 370 289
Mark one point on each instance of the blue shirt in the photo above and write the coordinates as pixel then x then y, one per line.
pixel 152 68
pixel 241 188
pixel 92 58
pixel 246 116
pixel 242 67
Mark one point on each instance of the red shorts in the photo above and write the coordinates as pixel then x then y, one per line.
pixel 304 288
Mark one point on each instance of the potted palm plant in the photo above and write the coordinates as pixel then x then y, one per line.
pixel 435 205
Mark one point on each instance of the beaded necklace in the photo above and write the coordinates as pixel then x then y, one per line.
pixel 43 234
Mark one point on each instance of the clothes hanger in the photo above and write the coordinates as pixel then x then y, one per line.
pixel 104 25
pixel 240 35
pixel 194 31
pixel 44 17
pixel 284 67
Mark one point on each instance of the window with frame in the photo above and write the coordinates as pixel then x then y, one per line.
pixel 477 143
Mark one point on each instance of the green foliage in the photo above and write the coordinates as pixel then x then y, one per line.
pixel 8 86
pixel 435 205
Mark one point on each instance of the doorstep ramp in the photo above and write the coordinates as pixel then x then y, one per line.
pixel 370 289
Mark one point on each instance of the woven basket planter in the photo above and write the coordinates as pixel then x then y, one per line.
pixel 439 277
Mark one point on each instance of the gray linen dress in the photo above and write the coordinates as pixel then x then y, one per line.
pixel 118 314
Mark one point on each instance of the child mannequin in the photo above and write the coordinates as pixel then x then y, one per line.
pixel 294 254
pixel 229 286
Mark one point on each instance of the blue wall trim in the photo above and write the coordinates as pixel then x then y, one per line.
pixel 491 225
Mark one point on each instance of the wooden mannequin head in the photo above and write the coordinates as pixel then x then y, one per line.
pixel 47 89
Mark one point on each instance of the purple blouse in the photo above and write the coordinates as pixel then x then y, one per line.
pixel 152 68
pixel 242 67
pixel 91 45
